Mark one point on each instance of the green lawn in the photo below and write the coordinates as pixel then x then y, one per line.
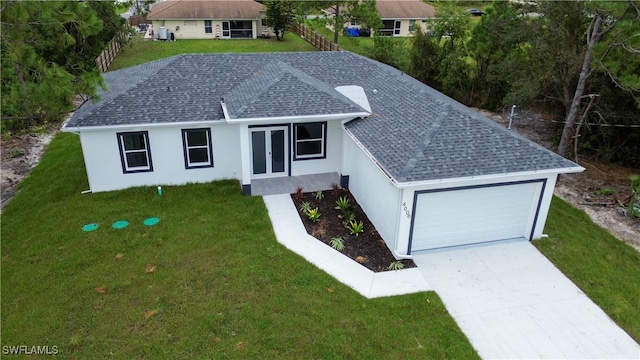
pixel 605 268
pixel 222 286
pixel 141 51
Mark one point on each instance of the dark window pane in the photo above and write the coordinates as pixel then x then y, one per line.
pixel 259 154
pixel 134 141
pixel 197 138
pixel 277 151
pixel 309 148
pixel 137 159
pixel 199 156
pixel 309 131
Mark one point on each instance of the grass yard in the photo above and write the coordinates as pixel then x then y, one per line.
pixel 605 268
pixel 208 281
pixel 141 51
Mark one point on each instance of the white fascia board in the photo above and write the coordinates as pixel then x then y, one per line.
pixel 575 169
pixel 299 118
pixel 204 123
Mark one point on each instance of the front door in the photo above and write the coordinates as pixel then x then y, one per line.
pixel 269 152
pixel 396 28
pixel 226 30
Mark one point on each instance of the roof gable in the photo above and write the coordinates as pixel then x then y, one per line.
pixel 278 90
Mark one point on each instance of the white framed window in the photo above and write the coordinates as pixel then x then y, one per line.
pixel 310 140
pixel 135 153
pixel 412 25
pixel 208 28
pixel 198 151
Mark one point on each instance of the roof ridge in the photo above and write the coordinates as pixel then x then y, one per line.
pixel 426 140
pixel 274 73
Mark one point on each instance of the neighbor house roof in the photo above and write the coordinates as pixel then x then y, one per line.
pixel 414 132
pixel 400 9
pixel 206 9
pixel 404 9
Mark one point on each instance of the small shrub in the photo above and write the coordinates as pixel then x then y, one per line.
pixel 335 189
pixel 343 204
pixel 320 230
pixel 299 194
pixel 337 243
pixel 396 265
pixel 305 206
pixel 313 214
pixel 319 195
pixel 355 227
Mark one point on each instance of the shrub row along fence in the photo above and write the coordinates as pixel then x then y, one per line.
pixel 109 53
pixel 315 39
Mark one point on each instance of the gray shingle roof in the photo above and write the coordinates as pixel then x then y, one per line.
pixel 278 89
pixel 415 132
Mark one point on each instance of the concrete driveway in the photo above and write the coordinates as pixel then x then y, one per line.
pixel 513 303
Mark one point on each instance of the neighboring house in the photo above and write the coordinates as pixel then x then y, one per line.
pixel 209 19
pixel 428 171
pixel 399 17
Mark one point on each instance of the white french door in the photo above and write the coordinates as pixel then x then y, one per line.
pixel 269 152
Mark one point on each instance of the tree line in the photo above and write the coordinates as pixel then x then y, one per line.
pixel 48 53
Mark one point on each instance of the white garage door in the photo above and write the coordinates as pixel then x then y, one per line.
pixel 462 216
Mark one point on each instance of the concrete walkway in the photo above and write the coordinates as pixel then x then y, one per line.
pixel 291 233
pixel 513 303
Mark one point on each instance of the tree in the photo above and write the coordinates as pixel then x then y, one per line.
pixel 48 51
pixel 341 12
pixel 494 46
pixel 279 15
pixel 450 29
pixel 423 58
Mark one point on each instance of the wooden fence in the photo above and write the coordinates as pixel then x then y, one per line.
pixel 109 53
pixel 135 20
pixel 314 38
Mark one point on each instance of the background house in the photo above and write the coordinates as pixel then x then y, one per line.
pixel 210 19
pixel 399 17
pixel 428 171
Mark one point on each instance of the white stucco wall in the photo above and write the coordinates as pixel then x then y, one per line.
pixel 194 29
pixel 104 166
pixel 408 197
pixel 332 161
pixel 377 196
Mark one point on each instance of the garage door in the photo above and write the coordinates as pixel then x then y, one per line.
pixel 471 215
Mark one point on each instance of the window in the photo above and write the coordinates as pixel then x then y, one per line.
pixel 135 152
pixel 412 25
pixel 197 148
pixel 310 140
pixel 208 29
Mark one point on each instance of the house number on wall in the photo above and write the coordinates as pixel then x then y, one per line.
pixel 406 210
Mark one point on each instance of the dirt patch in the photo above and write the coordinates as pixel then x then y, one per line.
pixel 599 191
pixel 19 155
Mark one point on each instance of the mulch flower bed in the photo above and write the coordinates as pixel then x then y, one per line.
pixel 367 248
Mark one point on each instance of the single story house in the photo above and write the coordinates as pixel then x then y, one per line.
pixel 428 171
pixel 399 17
pixel 209 19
